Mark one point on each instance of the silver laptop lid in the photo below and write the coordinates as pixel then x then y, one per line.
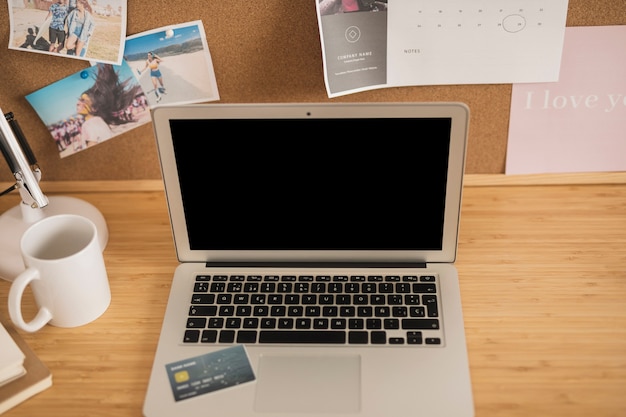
pixel 337 182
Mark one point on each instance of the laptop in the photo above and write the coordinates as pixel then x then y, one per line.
pixel 316 246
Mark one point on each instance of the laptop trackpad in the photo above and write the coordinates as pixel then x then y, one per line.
pixel 302 383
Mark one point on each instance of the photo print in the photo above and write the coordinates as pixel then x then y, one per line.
pixel 90 30
pixel 91 106
pixel 173 64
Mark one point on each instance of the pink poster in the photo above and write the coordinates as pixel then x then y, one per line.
pixel 577 124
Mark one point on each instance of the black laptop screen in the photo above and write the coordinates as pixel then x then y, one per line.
pixel 313 184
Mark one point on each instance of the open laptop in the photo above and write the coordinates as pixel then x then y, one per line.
pixel 316 246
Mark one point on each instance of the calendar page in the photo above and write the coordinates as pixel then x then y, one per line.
pixel 461 42
pixel 391 43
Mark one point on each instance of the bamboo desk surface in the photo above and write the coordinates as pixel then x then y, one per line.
pixel 543 280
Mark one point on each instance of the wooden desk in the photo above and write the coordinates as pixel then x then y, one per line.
pixel 543 280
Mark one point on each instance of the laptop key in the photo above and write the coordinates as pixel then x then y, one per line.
pixel 320 323
pixel 302 336
pixel 303 323
pixel 209 336
pixel 338 323
pixel 391 324
pixel 216 322
pixel 203 299
pixel 424 288
pixel 420 324
pixel 285 323
pixel 191 336
pixel 379 337
pixel 227 336
pixel 196 310
pixel 250 323
pixel 356 324
pixel 196 322
pixel 431 305
pixel 268 323
pixel 246 336
pixel 373 324
pixel 414 338
pixel 356 337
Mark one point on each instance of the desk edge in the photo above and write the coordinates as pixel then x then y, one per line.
pixel 470 180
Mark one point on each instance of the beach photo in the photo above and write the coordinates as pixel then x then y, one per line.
pixel 89 30
pixel 91 106
pixel 173 64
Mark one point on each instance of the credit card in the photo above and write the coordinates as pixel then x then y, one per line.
pixel 210 372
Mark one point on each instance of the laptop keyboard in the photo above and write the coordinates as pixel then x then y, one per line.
pixel 323 309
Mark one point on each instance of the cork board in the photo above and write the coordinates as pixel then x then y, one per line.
pixel 262 51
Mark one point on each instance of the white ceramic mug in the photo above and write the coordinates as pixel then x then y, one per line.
pixel 65 269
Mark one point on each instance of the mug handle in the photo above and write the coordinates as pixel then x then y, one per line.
pixel 15 303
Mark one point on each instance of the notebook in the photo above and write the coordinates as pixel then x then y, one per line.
pixel 316 246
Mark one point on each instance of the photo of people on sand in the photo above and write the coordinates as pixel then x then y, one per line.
pixel 90 30
pixel 173 64
pixel 91 106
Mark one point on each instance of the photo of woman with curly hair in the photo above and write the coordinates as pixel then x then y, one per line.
pixel 92 106
pixel 104 105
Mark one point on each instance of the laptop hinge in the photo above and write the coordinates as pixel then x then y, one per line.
pixel 267 264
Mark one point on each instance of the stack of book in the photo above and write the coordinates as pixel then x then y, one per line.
pixel 22 374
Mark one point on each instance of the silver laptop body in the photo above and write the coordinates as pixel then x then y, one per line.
pixel 322 196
